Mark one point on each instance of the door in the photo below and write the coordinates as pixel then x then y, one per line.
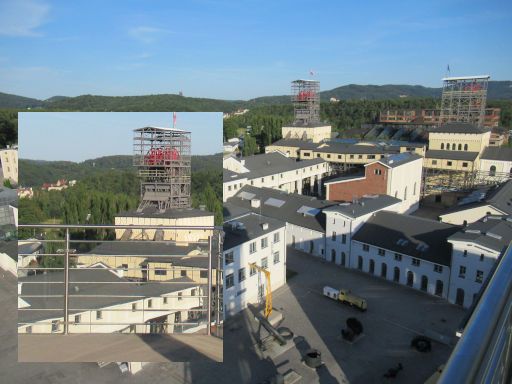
pixel 459 299
pixel 424 283
pixel 410 279
pixel 372 266
pixel 396 275
pixel 333 255
pixel 439 288
pixel 360 263
pixel 343 258
pixel 384 270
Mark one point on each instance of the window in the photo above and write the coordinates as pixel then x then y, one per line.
pixel 479 276
pixel 28 329
pixel 448 146
pixel 459 147
pixel 252 271
pixel 492 170
pixel 398 257
pixel 161 272
pixel 99 315
pixel 438 268
pixel 464 164
pixel 366 247
pixel 264 243
pixel 317 155
pixel 229 187
pixel 276 237
pixel 416 262
pixel 434 162
pixel 405 193
pixel 134 307
pixel 382 252
pixel 241 275
pixel 150 303
pixel 230 281
pixel 262 180
pixel 183 272
pixel 343 239
pixel 203 274
pixel 252 247
pixel 442 145
pixel 77 319
pixel 360 156
pixel 334 236
pixel 276 257
pixel 465 147
pixel 193 292
pixel 55 325
pixel 328 155
pixel 371 156
pixel 414 190
pixel 165 300
pixel 125 267
pixel 462 272
pixel 306 154
pixel 481 257
pixel 378 171
pixel 264 263
pixel 465 252
pixel 339 157
pixel 228 258
pixel 180 294
pixel 449 163
pixel 351 156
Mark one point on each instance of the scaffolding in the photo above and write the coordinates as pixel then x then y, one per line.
pixel 464 99
pixel 306 102
pixel 162 157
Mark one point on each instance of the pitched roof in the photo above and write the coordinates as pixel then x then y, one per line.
pixel 302 144
pixel 459 127
pixel 248 227
pixel 494 232
pixel 409 235
pixel 501 197
pixel 497 153
pixel 393 161
pixel 451 155
pixel 171 213
pixel 273 163
pixel 282 206
pixel 366 204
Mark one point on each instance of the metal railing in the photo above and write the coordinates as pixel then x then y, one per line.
pixel 200 285
pixel 484 352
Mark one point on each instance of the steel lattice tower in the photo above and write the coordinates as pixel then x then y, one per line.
pixel 162 156
pixel 464 99
pixel 306 102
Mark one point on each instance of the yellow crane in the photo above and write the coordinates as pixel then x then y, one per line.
pixel 268 290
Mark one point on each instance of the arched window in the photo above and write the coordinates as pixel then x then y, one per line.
pixel 442 145
pixel 454 147
pixel 414 190
pixel 448 146
pixel 396 193
pixel 492 170
pixel 410 278
pixel 460 147
pixel 424 283
pixel 333 255
pixel 405 193
pixel 465 147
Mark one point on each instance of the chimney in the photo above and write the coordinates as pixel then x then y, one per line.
pixel 264 226
pixel 255 203
pixel 242 161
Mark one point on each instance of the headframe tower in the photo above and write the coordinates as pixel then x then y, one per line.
pixel 464 99
pixel 162 157
pixel 306 102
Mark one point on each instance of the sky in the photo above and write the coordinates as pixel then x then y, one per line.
pixel 47 135
pixel 245 49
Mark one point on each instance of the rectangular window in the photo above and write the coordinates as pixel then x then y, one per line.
pixel 398 257
pixel 360 156
pixel 55 325
pixel 264 263
pixel 366 247
pixel 241 275
pixel 465 165
pixel 150 303
pixel 343 239
pixel 434 162
pixel 276 257
pixel 125 267
pixel 252 271
pixel 378 172
pixel 329 156
pixel 382 252
pixel 416 262
pixel 183 272
pixel 193 292
pixel 99 315
pixel 228 258
pixel 252 247
pixel 334 236
pixel 134 307
pixel 339 157
pixel 165 300
pixel 180 296
pixel 465 252
pixel 351 156
pixel 264 243
pixel 160 272
pixel 230 281
pixel 449 163
pixel 77 319
pixel 371 156
pixel 28 329
pixel 203 274
pixel 438 268
pixel 481 257
pixel 479 276
pixel 276 237
pixel 462 272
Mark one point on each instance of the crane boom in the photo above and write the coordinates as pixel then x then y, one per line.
pixel 268 289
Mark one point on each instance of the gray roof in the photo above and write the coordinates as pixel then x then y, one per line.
pixel 398 159
pixel 171 213
pixel 302 144
pixel 344 148
pixel 288 210
pixel 494 232
pixel 248 227
pixel 451 155
pixel 228 175
pixel 273 163
pixel 364 205
pixel 344 178
pixel 8 196
pixel 10 248
pixel 459 127
pixel 232 211
pixel 77 277
pixel 497 153
pixel 385 229
pixel 501 197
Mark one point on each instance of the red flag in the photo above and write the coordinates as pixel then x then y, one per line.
pixel 174 119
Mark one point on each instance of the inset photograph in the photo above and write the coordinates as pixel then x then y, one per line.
pixel 119 233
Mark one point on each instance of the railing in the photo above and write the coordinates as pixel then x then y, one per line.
pixel 125 297
pixel 484 352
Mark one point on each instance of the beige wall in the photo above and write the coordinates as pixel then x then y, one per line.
pixel 475 142
pixel 469 215
pixel 315 134
pixel 9 164
pixel 456 165
pixel 292 152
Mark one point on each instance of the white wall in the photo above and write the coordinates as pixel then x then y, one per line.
pixel 405 265
pixel 469 215
pixel 303 237
pixel 230 188
pixel 8 264
pixel 243 293
pixel 473 263
pixel 503 168
pixel 406 176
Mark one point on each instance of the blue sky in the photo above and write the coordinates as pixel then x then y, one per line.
pixel 78 136
pixel 244 49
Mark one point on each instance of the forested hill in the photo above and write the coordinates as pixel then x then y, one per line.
pixel 33 173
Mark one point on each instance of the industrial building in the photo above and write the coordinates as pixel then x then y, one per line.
pixel 9 164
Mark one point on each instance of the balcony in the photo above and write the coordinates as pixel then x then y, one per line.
pixel 88 294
